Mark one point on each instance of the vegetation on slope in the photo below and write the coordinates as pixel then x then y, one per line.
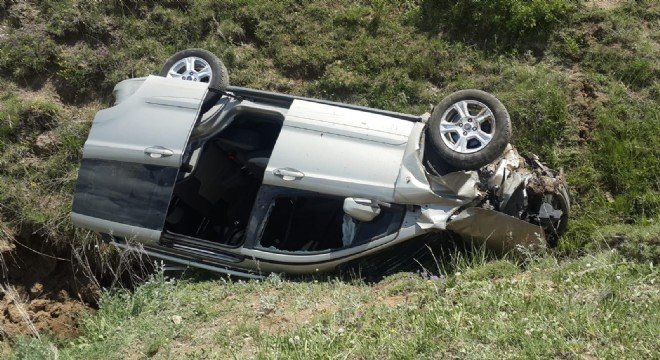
pixel 581 80
pixel 596 307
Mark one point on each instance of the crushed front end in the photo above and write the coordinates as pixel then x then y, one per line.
pixel 521 203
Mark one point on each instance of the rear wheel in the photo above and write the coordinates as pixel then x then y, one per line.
pixel 470 129
pixel 197 65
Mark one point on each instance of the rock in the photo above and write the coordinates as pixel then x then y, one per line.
pixel 36 290
pixel 14 314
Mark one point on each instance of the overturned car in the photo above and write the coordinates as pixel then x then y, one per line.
pixel 248 182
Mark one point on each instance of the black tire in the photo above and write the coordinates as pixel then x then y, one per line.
pixel 218 79
pixel 477 152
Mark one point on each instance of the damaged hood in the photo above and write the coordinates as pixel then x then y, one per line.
pixel 515 204
pixel 496 231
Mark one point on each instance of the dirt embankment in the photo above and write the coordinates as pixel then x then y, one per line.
pixel 43 290
pixel 46 289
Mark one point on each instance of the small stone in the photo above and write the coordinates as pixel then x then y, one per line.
pixel 36 290
pixel 609 197
pixel 176 319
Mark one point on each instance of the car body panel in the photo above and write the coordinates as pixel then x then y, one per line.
pixel 117 229
pixel 132 157
pixel 159 113
pixel 338 151
pixel 414 185
pixel 497 231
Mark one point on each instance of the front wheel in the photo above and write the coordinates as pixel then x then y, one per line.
pixel 197 65
pixel 470 129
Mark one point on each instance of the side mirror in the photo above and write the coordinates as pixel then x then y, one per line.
pixel 363 210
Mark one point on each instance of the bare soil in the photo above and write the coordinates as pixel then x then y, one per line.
pixel 25 316
pixel 606 4
pixel 41 292
pixel 585 100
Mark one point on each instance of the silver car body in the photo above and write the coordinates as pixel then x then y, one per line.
pixel 136 150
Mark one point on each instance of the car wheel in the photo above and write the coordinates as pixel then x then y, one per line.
pixel 197 65
pixel 470 129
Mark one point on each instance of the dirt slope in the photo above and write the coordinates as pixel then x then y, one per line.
pixel 41 292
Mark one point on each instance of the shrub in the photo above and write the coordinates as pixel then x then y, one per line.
pixel 26 54
pixel 75 19
pixel 20 118
pixel 81 71
pixel 507 21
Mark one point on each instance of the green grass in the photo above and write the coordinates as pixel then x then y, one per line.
pixel 625 136
pixel 640 242
pixel 601 306
pixel 498 23
pixel 40 147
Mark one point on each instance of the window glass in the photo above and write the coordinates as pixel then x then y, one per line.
pixel 318 223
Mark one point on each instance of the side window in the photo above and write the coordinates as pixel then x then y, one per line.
pixel 318 223
pixel 388 222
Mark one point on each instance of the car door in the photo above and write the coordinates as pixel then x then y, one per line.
pixel 309 232
pixel 132 157
pixel 338 151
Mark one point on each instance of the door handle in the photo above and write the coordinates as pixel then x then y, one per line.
pixel 157 152
pixel 288 174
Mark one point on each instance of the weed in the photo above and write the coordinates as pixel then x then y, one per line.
pixel 71 20
pixel 509 22
pixel 537 100
pixel 35 348
pixel 488 310
pixel 81 69
pixel 21 120
pixel 26 56
pixel 625 136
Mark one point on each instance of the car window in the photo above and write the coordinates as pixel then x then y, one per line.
pixel 304 224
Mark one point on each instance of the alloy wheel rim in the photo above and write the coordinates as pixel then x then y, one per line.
pixel 467 126
pixel 191 68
